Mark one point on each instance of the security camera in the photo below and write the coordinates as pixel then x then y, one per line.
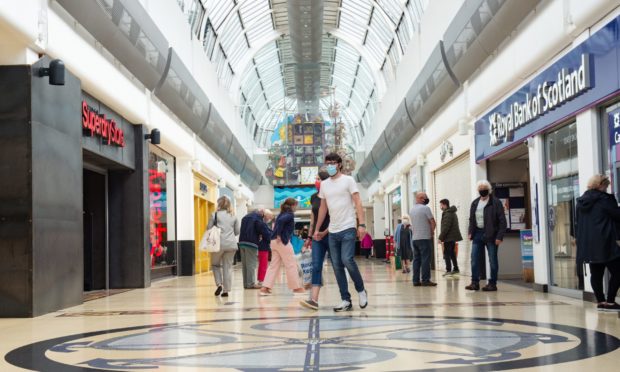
pixel 56 72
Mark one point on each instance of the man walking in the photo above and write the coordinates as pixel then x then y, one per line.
pixel 423 226
pixel 487 225
pixel 253 229
pixel 339 194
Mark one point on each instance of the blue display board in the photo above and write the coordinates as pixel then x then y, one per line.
pixel 302 194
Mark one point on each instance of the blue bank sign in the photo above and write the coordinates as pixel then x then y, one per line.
pixel 576 81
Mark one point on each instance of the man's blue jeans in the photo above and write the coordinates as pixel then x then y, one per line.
pixel 342 251
pixel 422 249
pixel 319 250
pixel 477 250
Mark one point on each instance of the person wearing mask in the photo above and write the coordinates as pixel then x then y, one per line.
pixel 253 229
pixel 222 261
pixel 598 217
pixel 282 250
pixel 340 196
pixel 264 247
pixel 396 238
pixel 320 247
pixel 422 228
pixel 405 249
pixel 487 226
pixel 450 234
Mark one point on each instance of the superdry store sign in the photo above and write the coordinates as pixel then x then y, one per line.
pixel 95 124
pixel 576 81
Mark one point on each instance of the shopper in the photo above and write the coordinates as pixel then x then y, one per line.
pixel 598 217
pixel 396 239
pixel 222 261
pixel 423 226
pixel 366 245
pixel 282 250
pixel 340 196
pixel 320 247
pixel 487 225
pixel 264 247
pixel 252 230
pixel 450 234
pixel 405 249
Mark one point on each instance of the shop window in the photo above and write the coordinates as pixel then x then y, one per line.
pixel 610 145
pixel 562 192
pixel 162 216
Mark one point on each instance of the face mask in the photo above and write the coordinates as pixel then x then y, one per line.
pixel 426 201
pixel 332 170
pixel 484 193
pixel 317 184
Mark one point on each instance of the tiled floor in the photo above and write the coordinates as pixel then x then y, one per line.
pixel 178 325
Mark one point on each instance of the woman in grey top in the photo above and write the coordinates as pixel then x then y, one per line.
pixel 222 261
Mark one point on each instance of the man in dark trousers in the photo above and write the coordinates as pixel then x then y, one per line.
pixel 449 235
pixel 487 225
pixel 253 229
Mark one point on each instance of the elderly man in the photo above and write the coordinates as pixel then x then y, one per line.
pixel 253 229
pixel 487 225
pixel 423 226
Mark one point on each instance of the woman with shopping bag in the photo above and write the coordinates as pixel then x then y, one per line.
pixel 225 226
pixel 282 250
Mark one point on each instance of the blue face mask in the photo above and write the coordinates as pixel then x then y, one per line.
pixel 332 170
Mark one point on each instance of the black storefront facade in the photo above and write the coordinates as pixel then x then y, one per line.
pixel 75 208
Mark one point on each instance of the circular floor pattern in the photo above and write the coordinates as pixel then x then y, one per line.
pixel 335 343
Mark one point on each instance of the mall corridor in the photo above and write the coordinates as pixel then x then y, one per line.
pixel 178 325
pixel 174 175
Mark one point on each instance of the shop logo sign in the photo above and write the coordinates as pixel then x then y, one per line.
pixel 548 96
pixel 446 149
pixel 614 127
pixel 95 124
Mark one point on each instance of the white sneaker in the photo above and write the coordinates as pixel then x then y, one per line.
pixel 363 298
pixel 344 306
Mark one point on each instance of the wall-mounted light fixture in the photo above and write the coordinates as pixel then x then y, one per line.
pixel 56 72
pixel 154 136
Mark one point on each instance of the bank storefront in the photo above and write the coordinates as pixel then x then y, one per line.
pixel 560 128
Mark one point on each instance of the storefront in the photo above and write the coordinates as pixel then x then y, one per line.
pixel 450 172
pixel 205 203
pixel 545 139
pixel 395 207
pixel 163 248
pixel 75 213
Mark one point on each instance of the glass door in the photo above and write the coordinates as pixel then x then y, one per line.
pixel 562 192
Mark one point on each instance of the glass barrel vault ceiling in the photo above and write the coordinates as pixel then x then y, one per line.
pixel 248 42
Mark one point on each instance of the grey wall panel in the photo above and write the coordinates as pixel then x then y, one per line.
pixel 15 201
pixel 56 193
pixel 237 156
pixel 129 221
pixel 139 44
pixel 380 153
pixel 399 130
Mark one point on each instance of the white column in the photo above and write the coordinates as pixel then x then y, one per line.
pixel 185 199
pixel 588 147
pixel 404 195
pixel 378 215
pixel 241 205
pixel 538 192
pixel 588 157
pixel 387 213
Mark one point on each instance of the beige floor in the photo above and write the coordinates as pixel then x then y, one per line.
pixel 178 325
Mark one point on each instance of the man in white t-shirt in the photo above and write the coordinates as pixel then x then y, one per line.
pixel 339 194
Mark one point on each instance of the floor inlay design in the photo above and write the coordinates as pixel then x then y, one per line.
pixel 331 343
pixel 287 308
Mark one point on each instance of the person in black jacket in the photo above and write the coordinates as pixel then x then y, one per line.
pixel 405 246
pixel 449 235
pixel 598 216
pixel 487 225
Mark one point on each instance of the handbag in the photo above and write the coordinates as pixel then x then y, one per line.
pixel 305 262
pixel 210 241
